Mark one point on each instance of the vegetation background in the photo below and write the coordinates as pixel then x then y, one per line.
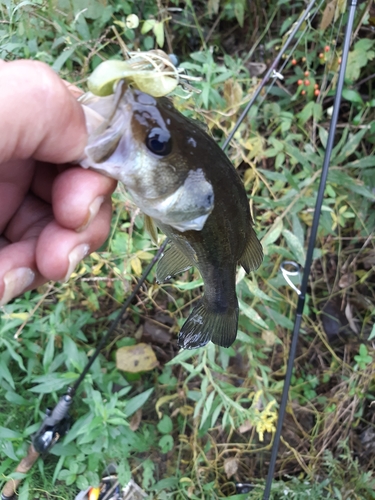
pixel 195 424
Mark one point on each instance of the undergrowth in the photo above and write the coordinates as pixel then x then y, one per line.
pixel 201 422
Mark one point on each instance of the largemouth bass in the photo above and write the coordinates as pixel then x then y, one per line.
pixel 178 176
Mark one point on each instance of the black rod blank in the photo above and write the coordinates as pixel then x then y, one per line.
pixel 310 249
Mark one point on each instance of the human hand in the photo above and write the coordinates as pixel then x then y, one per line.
pixel 52 214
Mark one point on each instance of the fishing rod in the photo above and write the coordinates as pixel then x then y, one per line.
pixel 57 421
pixel 311 245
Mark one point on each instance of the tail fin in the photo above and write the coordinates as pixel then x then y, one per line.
pixel 204 325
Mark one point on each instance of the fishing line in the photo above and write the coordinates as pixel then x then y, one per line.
pixel 272 70
pixel 310 248
pixel 269 73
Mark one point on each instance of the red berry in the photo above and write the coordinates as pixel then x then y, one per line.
pixel 316 86
pixel 307 73
pixel 316 92
pixel 307 83
pixel 327 48
pixel 300 82
pixel 321 55
pixel 303 92
pixel 294 62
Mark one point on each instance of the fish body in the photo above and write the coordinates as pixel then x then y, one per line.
pixel 178 176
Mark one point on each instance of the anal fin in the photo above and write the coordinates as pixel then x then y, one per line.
pixel 172 262
pixel 204 325
pixel 252 256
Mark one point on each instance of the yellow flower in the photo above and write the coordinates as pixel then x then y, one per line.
pixel 264 420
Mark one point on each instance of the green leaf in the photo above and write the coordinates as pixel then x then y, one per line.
pixel 148 25
pixel 317 111
pixel 9 433
pixel 239 11
pixel 295 246
pixel 252 314
pixel 215 414
pixel 273 234
pixel 4 370
pixel 165 425
pixel 166 443
pixel 159 33
pixel 323 136
pixel 63 57
pixel 372 334
pixel 352 96
pixel 49 352
pixel 306 113
pixel 137 402
pixel 82 483
pixel 256 291
pixel 350 146
pixel 207 408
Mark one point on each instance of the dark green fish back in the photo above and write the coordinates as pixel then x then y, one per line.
pixel 226 239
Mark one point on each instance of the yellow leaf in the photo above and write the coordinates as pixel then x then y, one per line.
pixel 136 358
pixel 144 255
pixel 22 316
pixel 186 410
pixel 136 266
pixel 96 269
pixel 161 401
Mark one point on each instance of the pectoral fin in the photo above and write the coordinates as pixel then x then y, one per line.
pixel 151 228
pixel 252 257
pixel 204 325
pixel 172 262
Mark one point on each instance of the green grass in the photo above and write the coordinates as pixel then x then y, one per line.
pixel 193 427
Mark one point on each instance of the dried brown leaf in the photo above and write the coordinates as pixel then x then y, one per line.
pixel 136 420
pixel 328 15
pixel 230 466
pixel 245 427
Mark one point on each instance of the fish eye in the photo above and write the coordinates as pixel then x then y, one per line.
pixel 159 141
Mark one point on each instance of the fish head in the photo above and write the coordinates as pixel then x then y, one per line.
pixel 152 149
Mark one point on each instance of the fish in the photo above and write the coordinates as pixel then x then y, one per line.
pixel 181 179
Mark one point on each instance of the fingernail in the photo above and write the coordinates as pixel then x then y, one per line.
pixel 75 256
pixel 15 281
pixel 93 212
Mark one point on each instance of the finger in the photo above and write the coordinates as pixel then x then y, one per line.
pixel 29 220
pixel 47 251
pixel 18 271
pixel 59 250
pixel 77 196
pixel 15 180
pixel 75 91
pixel 50 124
